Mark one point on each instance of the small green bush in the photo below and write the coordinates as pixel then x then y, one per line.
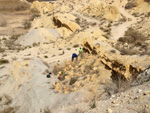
pixel 93 105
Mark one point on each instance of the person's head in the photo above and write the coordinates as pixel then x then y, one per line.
pixel 80 47
pixel 50 73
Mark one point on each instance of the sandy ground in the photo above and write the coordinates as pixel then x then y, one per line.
pixel 14 22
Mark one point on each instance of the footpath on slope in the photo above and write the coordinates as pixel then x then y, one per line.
pixel 119 31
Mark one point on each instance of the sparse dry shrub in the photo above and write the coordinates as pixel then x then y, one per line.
pixel 112 51
pixel 68 48
pixel 0 98
pixel 34 44
pixel 57 69
pixel 9 110
pixel 9 99
pixel 73 80
pixel 93 104
pixel 147 1
pixel 14 37
pixel 47 110
pixel 128 51
pixel 21 8
pixel 110 89
pixel 26 24
pixel 121 82
pixel 132 37
pixel 35 15
pixel 3 61
pixel 130 5
pixel 76 45
pixel 77 20
pixel 106 36
pixel 76 110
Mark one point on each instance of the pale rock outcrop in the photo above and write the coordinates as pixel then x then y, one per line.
pixel 63 23
pixel 44 21
pixel 102 9
pixel 42 7
pixel 39 35
pixel 91 32
pixel 65 8
pixel 112 13
pixel 19 71
pixel 142 6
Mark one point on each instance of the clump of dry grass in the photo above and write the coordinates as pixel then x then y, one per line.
pixel 73 80
pixel 76 110
pixel 21 8
pixel 76 45
pixel 2 50
pixel 47 110
pixel 131 4
pixel 26 24
pixel 133 37
pixel 57 69
pixel 147 0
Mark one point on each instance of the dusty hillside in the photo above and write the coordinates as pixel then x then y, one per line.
pixel 13 5
pixel 111 74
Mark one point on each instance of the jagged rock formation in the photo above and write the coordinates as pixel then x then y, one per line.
pixel 129 69
pixel 102 10
pixel 42 7
pixel 63 23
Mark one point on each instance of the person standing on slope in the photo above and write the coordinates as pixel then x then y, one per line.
pixel 74 55
pixel 80 51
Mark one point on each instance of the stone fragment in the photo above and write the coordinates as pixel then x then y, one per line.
pixel 109 111
pixel 139 91
pixel 115 102
pixel 146 92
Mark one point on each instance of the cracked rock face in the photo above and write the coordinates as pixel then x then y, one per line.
pixel 125 66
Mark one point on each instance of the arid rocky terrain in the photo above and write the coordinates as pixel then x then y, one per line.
pixel 111 75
